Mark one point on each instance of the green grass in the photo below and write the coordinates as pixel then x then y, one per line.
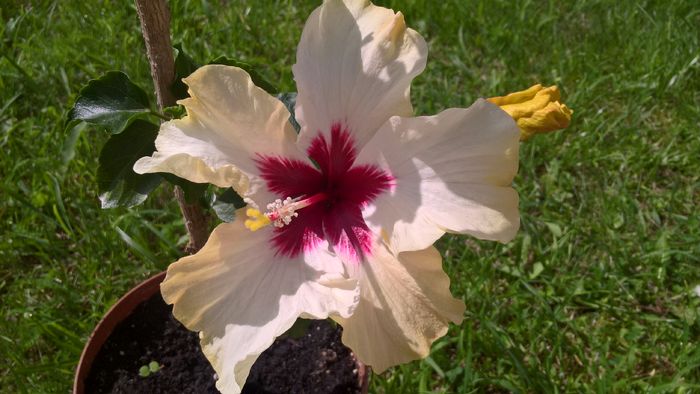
pixel 594 294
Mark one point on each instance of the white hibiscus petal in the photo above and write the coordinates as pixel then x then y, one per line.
pixel 405 305
pixel 241 296
pixel 229 121
pixel 452 173
pixel 355 63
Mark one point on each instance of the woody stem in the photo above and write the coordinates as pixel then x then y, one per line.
pixel 155 27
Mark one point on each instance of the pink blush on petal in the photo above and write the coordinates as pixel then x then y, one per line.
pixel 303 234
pixel 347 231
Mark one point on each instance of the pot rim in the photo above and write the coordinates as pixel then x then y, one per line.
pixel 123 308
pixel 115 315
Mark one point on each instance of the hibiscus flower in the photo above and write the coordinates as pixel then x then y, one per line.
pixel 345 213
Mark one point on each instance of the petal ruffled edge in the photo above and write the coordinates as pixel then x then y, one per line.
pixel 229 122
pixel 405 305
pixel 241 296
pixel 355 64
pixel 452 173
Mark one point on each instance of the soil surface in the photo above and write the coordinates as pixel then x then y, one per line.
pixel 316 362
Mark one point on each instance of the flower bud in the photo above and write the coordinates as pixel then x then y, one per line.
pixel 536 110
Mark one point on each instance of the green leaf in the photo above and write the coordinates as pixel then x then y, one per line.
pixel 300 327
pixel 226 203
pixel 175 112
pixel 289 100
pixel 554 228
pixel 111 101
pixel 454 373
pixel 193 191
pixel 137 246
pixel 144 371
pixel 69 143
pixel 429 360
pixel 118 184
pixel 619 221
pixel 537 269
pixel 153 366
pixel 184 66
pixel 257 78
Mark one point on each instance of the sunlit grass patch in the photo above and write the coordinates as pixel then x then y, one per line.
pixel 595 293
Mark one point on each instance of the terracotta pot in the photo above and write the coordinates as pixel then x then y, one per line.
pixel 116 314
pixel 123 308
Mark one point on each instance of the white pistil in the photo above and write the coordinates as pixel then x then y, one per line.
pixel 281 212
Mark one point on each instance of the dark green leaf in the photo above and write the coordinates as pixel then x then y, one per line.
pixel 257 78
pixel 290 100
pixel 300 327
pixel 184 66
pixel 117 182
pixel 111 101
pixel 193 191
pixel 226 203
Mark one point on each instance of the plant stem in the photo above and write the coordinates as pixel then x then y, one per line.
pixel 155 26
pixel 159 115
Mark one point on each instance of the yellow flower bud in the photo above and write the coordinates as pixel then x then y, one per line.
pixel 536 110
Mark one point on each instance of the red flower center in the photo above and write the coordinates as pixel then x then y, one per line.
pixel 339 190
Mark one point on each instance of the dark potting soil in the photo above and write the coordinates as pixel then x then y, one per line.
pixel 316 362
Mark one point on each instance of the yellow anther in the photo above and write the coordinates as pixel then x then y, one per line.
pixel 256 219
pixel 536 110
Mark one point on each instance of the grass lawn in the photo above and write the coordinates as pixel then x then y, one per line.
pixel 595 294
